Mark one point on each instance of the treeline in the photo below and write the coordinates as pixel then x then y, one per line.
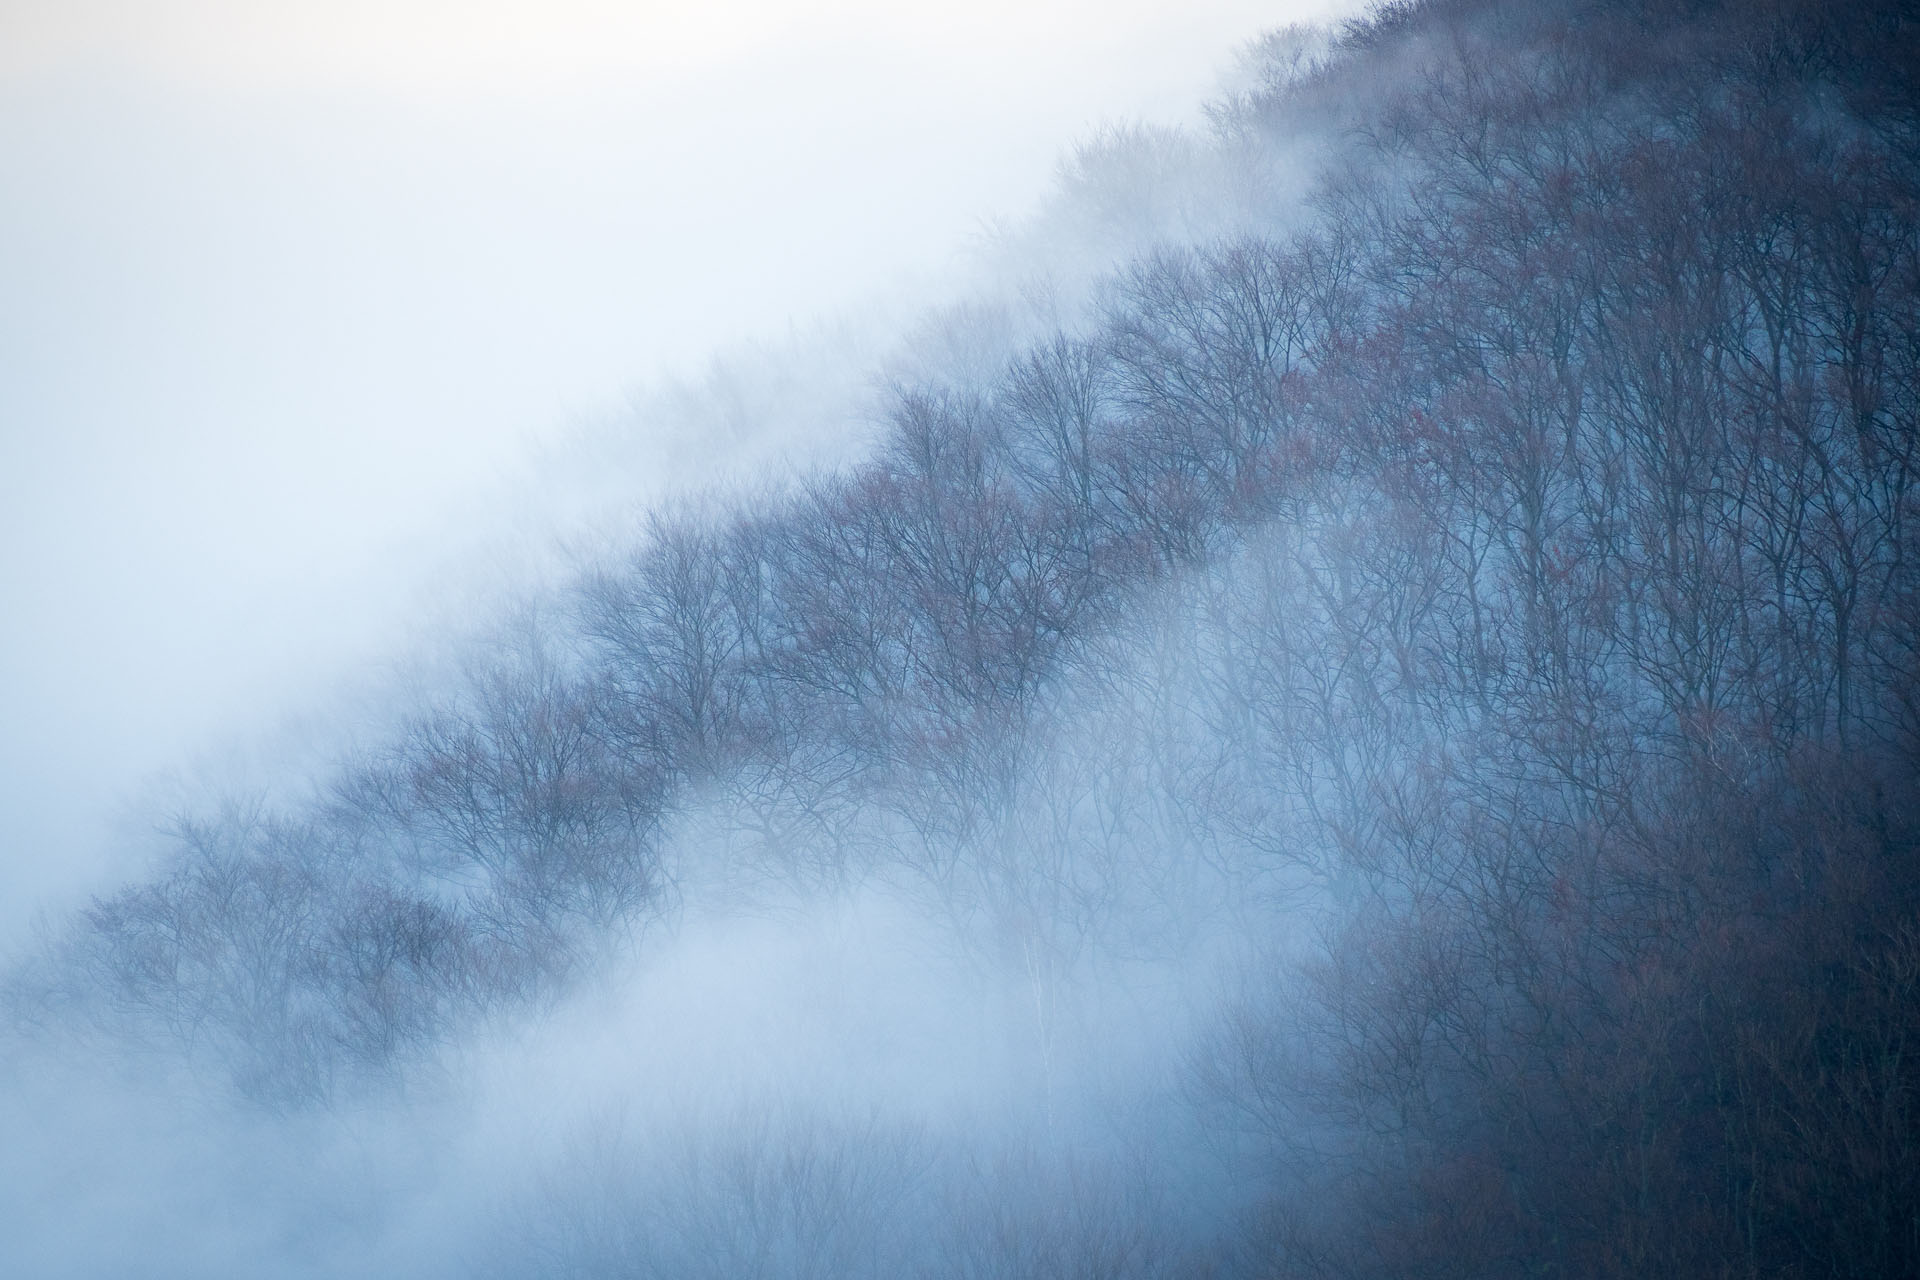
pixel 1493 599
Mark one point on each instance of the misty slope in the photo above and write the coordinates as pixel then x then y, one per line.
pixel 1382 741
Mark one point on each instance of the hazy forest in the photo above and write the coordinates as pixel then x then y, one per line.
pixel 1358 716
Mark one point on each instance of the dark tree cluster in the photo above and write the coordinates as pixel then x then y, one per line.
pixel 1491 600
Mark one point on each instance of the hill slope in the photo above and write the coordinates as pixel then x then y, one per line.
pixel 1382 743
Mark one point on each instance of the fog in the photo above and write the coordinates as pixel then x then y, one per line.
pixel 287 297
pixel 1130 645
pixel 322 332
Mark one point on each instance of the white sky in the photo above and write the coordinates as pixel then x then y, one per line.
pixel 281 284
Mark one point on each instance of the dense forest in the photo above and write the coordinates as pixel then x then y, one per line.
pixel 1371 728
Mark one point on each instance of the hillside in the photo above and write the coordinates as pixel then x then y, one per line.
pixel 1378 737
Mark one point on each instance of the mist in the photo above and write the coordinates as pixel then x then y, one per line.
pixel 778 643
pixel 293 307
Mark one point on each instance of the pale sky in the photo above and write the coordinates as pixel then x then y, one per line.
pixel 423 48
pixel 284 285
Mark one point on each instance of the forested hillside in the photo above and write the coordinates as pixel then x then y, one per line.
pixel 1380 738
